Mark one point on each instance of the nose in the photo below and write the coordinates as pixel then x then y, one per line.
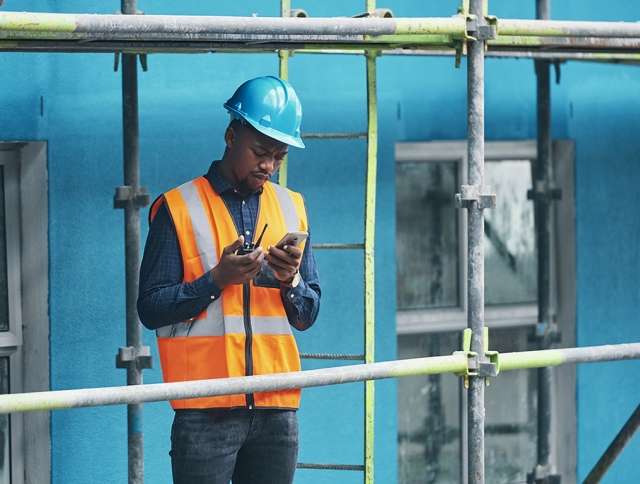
pixel 268 163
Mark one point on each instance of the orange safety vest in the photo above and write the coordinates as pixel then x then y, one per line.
pixel 246 331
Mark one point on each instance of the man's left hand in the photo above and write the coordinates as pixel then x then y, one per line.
pixel 284 261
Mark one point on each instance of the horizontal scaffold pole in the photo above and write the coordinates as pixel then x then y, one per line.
pixel 51 32
pixel 568 28
pixel 583 49
pixel 560 356
pixel 18 25
pixel 22 402
pixel 457 363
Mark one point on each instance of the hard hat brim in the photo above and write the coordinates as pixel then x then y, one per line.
pixel 270 132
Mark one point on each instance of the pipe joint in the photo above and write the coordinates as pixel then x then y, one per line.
pixel 485 366
pixel 134 357
pixel 298 13
pixel 144 63
pixel 545 192
pixel 547 333
pixel 481 28
pixel 469 194
pixel 127 196
pixel 377 13
pixel 542 474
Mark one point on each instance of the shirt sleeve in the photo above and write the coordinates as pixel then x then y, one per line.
pixel 302 303
pixel 163 298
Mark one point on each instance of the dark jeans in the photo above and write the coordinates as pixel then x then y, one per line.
pixel 244 446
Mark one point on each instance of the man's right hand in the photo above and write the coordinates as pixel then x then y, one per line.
pixel 237 269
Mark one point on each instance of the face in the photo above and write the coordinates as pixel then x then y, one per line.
pixel 253 156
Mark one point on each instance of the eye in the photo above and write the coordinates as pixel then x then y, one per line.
pixel 259 153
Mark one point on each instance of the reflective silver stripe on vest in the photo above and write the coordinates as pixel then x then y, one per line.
pixel 213 322
pixel 201 227
pixel 204 327
pixel 288 208
pixel 270 325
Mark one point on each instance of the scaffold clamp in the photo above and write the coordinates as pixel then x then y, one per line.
pixel 138 357
pixel 126 195
pixel 116 55
pixel 144 63
pixel 377 13
pixel 481 28
pixel 298 13
pixel 475 193
pixel 543 475
pixel 486 367
pixel 492 364
pixel 544 192
pixel 548 331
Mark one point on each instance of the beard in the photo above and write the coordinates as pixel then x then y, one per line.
pixel 250 184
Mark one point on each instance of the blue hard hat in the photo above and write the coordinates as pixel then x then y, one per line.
pixel 271 106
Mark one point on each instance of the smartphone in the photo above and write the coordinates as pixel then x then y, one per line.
pixel 293 238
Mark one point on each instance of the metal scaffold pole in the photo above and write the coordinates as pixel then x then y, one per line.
pixel 615 448
pixel 369 251
pixel 542 196
pixel 283 72
pixel 459 363
pixel 475 281
pixel 369 254
pixel 131 197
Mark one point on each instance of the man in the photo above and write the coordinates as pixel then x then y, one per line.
pixel 223 310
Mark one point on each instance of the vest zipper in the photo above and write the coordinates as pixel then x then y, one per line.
pixel 246 311
pixel 248 352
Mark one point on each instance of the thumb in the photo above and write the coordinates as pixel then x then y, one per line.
pixel 230 249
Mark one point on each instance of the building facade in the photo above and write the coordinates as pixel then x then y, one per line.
pixel 63 308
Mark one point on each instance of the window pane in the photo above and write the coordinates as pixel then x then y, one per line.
pixel 426 235
pixel 510 251
pixel 510 406
pixel 5 427
pixel 4 297
pixel 429 415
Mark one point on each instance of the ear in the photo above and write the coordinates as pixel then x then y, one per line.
pixel 229 136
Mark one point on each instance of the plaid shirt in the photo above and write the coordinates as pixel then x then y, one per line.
pixel 165 299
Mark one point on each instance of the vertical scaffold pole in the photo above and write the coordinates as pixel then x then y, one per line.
pixel 134 358
pixel 369 249
pixel 542 196
pixel 369 268
pixel 283 72
pixel 475 315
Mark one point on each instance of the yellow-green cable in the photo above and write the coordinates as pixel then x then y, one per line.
pixel 283 72
pixel 369 249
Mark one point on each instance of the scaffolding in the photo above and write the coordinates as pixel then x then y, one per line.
pixel 471 33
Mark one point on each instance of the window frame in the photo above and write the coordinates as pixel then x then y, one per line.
pixel 413 321
pixel 10 164
pixel 563 278
pixel 28 344
pixel 11 340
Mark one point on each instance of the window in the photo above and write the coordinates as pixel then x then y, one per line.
pixel 24 329
pixel 10 314
pixel 431 258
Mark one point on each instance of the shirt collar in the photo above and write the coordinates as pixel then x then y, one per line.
pixel 219 183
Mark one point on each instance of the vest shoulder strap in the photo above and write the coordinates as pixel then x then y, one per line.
pixel 155 206
pixel 292 206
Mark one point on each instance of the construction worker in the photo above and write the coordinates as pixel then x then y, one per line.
pixel 222 306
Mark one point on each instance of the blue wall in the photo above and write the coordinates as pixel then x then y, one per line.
pixel 181 127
